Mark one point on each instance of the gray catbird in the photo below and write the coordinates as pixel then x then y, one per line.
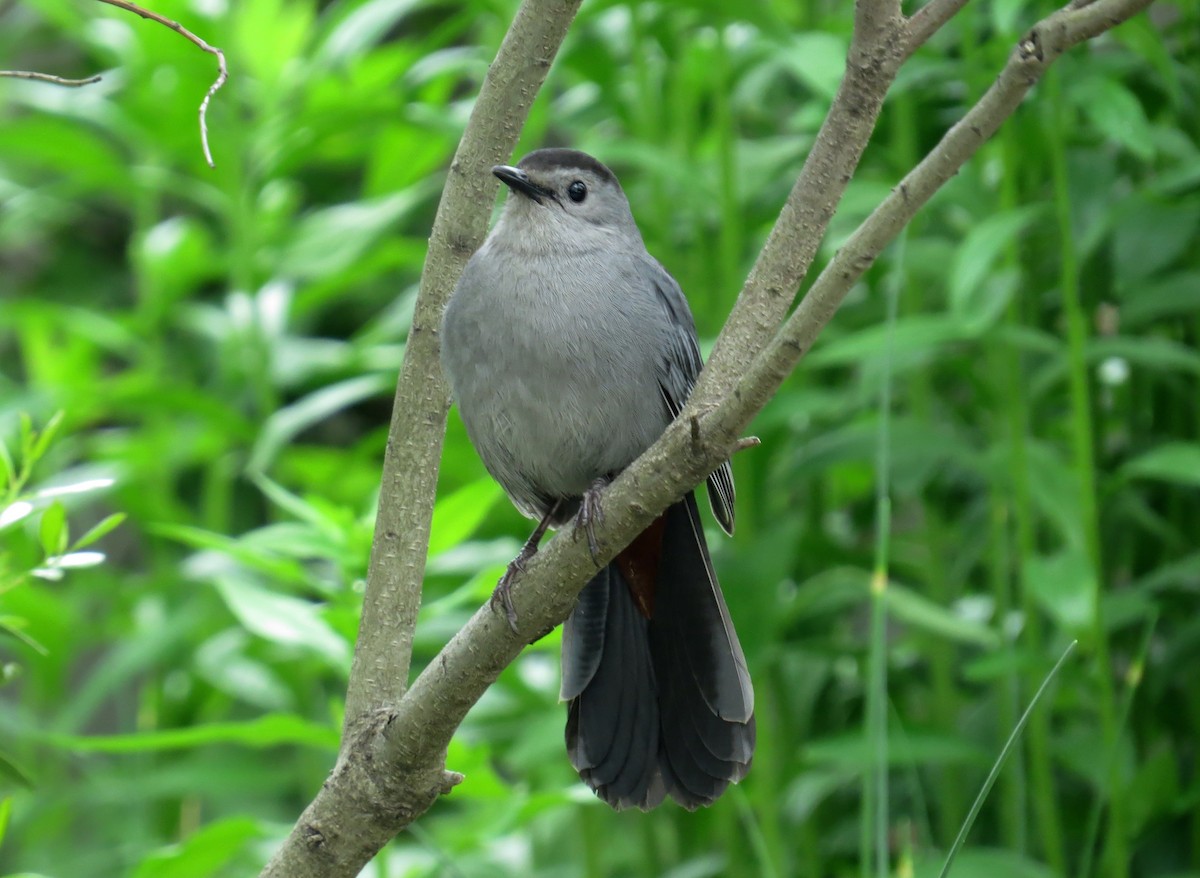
pixel 569 349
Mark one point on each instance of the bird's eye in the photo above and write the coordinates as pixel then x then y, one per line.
pixel 577 191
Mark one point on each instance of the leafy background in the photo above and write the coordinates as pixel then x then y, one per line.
pixel 222 345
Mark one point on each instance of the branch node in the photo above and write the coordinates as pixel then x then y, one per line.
pixel 314 839
pixel 450 779
pixel 1030 48
pixel 746 442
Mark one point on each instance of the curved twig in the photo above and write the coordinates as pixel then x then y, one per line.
pixel 222 72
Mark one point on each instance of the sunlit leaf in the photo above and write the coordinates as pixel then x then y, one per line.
pixel 14 512
pixel 282 619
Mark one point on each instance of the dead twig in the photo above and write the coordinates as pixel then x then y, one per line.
pixel 48 77
pixel 222 72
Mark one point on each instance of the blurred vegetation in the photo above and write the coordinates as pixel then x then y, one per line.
pixel 222 345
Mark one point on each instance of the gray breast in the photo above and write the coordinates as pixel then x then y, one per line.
pixel 555 373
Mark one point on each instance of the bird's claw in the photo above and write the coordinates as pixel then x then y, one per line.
pixel 502 594
pixel 590 514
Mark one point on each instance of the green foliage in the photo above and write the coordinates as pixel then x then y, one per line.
pixel 222 345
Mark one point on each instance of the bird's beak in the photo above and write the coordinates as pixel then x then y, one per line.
pixel 518 181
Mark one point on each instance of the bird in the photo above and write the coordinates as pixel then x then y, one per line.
pixel 569 349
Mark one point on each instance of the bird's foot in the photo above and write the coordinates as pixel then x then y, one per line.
pixel 502 594
pixel 589 515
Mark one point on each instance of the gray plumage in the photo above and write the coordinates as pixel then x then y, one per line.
pixel 569 349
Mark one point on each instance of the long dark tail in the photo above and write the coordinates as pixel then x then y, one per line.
pixel 660 698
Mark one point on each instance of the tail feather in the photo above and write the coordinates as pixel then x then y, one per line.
pixel 696 776
pixel 662 705
pixel 696 618
pixel 612 721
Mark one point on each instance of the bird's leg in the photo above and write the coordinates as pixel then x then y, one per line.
pixel 590 514
pixel 517 566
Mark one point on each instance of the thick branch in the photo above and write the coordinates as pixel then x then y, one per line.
pixel 369 797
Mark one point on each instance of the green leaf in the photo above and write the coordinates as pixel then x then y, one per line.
pixel 282 619
pixel 100 529
pixel 1006 15
pixel 360 29
pixel 45 437
pixel 331 240
pixel 818 60
pixel 1176 462
pixel 272 730
pixel 5 811
pixel 207 852
pixel 7 469
pixel 53 529
pixel 1149 234
pixel 1115 111
pixel 1150 352
pixel 296 506
pixel 15 625
pixel 915 339
pixel 1175 295
pixel 75 560
pixel 975 297
pixel 1065 585
pixel 319 405
pixel 14 773
pixel 457 516
pixel 283 569
pixel 908 606
pixel 915 748
pixel 980 862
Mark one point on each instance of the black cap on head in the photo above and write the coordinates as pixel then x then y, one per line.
pixel 550 159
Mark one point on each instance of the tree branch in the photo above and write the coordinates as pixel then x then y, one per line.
pixel 928 20
pixel 370 796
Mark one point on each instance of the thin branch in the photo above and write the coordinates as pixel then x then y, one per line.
pixel 928 20
pixel 222 72
pixel 1029 60
pixel 48 77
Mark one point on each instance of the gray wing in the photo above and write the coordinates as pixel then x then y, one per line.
pixel 677 376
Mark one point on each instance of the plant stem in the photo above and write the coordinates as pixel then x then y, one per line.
pixel 1116 860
